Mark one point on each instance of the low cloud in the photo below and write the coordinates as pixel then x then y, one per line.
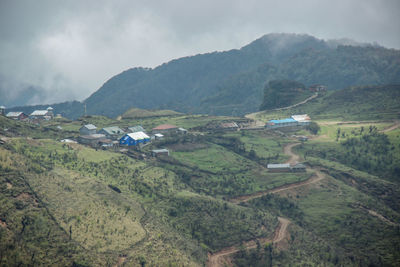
pixel 67 50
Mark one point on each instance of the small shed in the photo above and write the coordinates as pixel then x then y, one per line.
pixel 160 152
pixel 16 115
pixel 302 120
pixel 2 110
pixel 182 130
pixel 134 139
pixel 157 136
pixel 299 167
pixel 88 129
pixel 302 138
pixel 135 129
pixel 279 167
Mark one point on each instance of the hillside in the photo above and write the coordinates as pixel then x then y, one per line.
pixel 352 103
pixel 211 201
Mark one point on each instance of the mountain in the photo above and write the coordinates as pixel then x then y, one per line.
pixel 232 82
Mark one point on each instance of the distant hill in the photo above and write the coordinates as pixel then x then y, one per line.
pixel 352 103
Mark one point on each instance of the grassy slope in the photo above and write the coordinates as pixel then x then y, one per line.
pixel 354 103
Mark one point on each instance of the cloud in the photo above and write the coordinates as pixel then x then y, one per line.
pixel 68 49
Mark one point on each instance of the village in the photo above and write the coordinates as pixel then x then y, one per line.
pixel 131 140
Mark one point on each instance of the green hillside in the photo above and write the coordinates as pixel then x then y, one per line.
pixel 232 82
pixel 65 204
pixel 353 103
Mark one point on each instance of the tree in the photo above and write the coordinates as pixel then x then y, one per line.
pixel 313 127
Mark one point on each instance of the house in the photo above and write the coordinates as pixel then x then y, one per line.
pixel 46 114
pixel 106 143
pixel 229 125
pixel 272 124
pixel 135 129
pixel 88 129
pixel 113 132
pixel 16 115
pixel 160 152
pixel 279 167
pixel 165 129
pixel 2 110
pixel 299 167
pixel 134 139
pixel 318 88
pixel 91 139
pixel 302 120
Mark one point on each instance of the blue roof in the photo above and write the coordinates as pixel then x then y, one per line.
pixel 283 121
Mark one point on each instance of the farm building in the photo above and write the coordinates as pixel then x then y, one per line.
pixel 46 114
pixel 88 129
pixel 113 132
pixel 165 129
pixel 16 115
pixel 135 129
pixel 91 139
pixel 281 123
pixel 160 152
pixel 279 167
pixel 134 139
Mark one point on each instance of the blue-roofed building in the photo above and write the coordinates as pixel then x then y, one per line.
pixel 281 123
pixel 134 139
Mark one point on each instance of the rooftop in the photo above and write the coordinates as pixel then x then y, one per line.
pixel 137 128
pixel 278 166
pixel 165 127
pixel 282 121
pixel 90 127
pixel 113 130
pixel 163 150
pixel 39 113
pixel 138 135
pixel 14 113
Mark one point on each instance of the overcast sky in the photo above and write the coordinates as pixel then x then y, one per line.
pixel 70 48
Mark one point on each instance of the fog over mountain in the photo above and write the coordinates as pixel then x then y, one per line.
pixel 57 51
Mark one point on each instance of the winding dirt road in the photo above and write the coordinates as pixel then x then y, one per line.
pixel 220 258
pixel 393 127
pixel 294 158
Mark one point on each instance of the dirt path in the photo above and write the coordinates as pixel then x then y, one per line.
pixel 219 258
pixel 298 104
pixel 393 127
pixel 318 176
pixel 294 158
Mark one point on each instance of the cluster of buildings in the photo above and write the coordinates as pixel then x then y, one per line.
pixel 293 121
pixel 35 116
pixel 130 137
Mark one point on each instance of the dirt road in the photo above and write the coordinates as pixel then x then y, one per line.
pixel 219 258
pixel 287 150
pixel 318 176
pixel 393 127
pixel 298 104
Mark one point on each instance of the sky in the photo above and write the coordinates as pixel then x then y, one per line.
pixel 53 50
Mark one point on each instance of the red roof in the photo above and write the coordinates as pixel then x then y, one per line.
pixel 165 127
